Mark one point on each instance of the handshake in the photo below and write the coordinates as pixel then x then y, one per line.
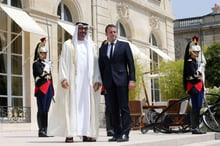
pixel 48 66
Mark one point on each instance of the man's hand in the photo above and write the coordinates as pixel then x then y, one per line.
pixel 64 84
pixel 96 86
pixel 131 85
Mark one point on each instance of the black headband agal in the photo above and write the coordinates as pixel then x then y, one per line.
pixel 82 23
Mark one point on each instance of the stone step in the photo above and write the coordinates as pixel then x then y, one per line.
pixel 217 135
pixel 28 138
pixel 206 143
pixel 173 139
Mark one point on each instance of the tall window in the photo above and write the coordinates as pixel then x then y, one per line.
pixel 11 59
pixel 154 66
pixel 14 3
pixel 65 15
pixel 121 31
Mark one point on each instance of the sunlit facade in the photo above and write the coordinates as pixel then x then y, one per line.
pixel 148 24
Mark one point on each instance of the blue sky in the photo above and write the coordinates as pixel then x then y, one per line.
pixel 192 8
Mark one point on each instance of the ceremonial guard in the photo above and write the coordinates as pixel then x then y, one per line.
pixel 193 84
pixel 43 89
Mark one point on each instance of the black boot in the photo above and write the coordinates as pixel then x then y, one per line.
pixel 45 122
pixel 40 124
pixel 195 122
pixel 42 131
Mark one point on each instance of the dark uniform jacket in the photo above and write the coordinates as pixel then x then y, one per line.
pixel 194 81
pixel 42 83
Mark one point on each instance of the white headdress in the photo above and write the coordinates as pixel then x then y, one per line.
pixel 88 45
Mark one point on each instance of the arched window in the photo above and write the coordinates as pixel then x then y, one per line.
pixel 121 30
pixel 11 59
pixel 64 12
pixel 153 40
pixel 65 15
pixel 14 3
pixel 154 66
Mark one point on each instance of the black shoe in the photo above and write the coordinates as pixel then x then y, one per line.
pixel 113 139
pixel 88 139
pixel 69 140
pixel 110 133
pixel 123 138
pixel 197 131
pixel 42 133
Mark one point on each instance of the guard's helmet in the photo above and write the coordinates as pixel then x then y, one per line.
pixel 195 48
pixel 42 50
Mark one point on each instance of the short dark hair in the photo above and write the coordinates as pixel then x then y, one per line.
pixel 109 25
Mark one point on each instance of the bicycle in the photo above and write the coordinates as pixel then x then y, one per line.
pixel 211 114
pixel 180 122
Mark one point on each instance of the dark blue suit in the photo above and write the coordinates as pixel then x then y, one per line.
pixel 116 74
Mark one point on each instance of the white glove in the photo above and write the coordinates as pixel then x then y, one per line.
pixel 48 66
pixel 200 69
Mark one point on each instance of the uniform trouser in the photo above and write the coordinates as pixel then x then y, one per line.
pixel 120 110
pixel 43 104
pixel 196 100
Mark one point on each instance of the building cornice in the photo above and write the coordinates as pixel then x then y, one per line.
pixel 146 6
pixel 34 12
pixel 195 23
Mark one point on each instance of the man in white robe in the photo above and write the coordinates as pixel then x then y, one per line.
pixel 75 112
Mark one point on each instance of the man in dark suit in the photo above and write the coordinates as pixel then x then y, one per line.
pixel 118 76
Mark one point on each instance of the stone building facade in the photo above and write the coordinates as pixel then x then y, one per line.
pixel 147 24
pixel 206 27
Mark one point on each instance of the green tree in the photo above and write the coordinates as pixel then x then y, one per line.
pixel 135 93
pixel 171 83
pixel 212 71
